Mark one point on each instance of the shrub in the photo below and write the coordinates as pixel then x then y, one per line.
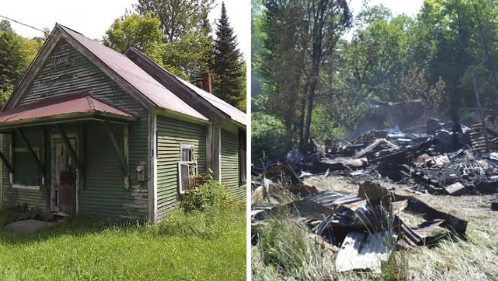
pixel 210 194
pixel 206 211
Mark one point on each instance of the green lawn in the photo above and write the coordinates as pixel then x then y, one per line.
pixel 202 246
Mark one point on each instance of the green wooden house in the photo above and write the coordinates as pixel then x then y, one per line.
pixel 92 131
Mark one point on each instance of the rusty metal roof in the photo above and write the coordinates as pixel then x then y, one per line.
pixel 160 96
pixel 234 113
pixel 67 106
pixel 226 108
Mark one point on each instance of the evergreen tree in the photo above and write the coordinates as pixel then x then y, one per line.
pixel 228 70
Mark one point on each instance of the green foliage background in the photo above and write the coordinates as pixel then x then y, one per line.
pixel 429 57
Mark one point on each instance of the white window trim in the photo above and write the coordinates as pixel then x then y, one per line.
pixel 187 146
pixel 28 187
pixel 181 190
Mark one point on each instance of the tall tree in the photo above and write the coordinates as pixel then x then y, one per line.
pixel 299 37
pixel 185 58
pixel 257 37
pixel 228 70
pixel 186 28
pixel 141 32
pixel 16 53
pixel 282 63
pixel 451 27
pixel 191 55
pixel 178 17
pixel 328 20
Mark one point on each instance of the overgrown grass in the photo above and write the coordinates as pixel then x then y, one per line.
pixel 285 251
pixel 209 245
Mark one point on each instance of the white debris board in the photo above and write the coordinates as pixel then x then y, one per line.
pixel 362 250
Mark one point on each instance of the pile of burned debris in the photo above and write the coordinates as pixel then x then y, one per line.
pixel 367 226
pixel 445 159
pixel 364 228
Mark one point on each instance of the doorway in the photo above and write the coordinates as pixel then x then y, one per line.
pixel 64 177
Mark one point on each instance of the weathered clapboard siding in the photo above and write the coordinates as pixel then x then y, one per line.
pixel 17 196
pixel 230 163
pixel 104 193
pixel 82 76
pixel 170 136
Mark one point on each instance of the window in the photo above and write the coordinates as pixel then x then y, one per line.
pixel 187 167
pixel 187 153
pixel 26 171
pixel 242 157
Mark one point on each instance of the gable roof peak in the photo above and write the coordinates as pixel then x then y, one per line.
pixel 125 72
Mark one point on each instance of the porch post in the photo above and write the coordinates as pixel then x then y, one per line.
pixel 215 149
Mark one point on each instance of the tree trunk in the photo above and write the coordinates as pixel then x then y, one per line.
pixel 303 117
pixel 316 58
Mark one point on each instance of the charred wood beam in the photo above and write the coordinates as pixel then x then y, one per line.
pixel 408 234
pixel 401 155
pixel 31 150
pixel 121 157
pixel 70 149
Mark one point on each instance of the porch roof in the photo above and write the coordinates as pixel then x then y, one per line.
pixel 70 107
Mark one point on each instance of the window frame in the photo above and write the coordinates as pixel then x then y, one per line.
pixel 191 162
pixel 39 150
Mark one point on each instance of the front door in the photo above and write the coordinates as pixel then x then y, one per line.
pixel 64 176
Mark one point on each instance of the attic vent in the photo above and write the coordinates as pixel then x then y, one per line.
pixel 187 167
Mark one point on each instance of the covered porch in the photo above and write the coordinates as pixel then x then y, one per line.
pixel 53 149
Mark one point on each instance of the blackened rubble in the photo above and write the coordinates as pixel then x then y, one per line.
pixel 438 161
pixel 365 227
pixel 443 159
